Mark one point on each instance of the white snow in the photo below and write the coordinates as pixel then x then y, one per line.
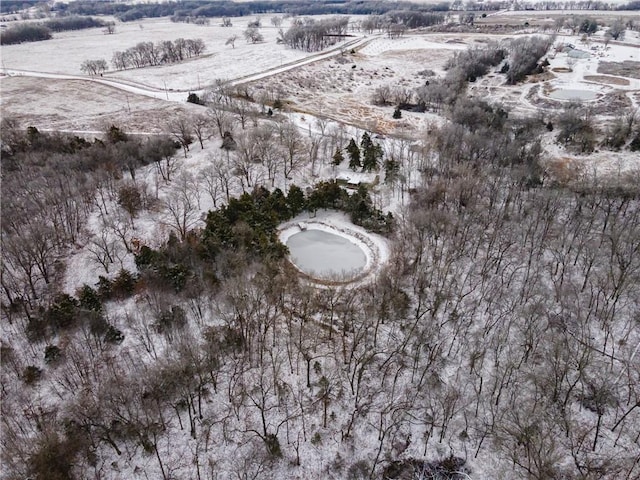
pixel 152 228
pixel 219 61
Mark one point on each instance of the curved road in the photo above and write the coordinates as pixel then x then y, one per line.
pixel 180 95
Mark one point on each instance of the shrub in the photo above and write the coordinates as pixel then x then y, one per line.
pixel 358 470
pixel 130 199
pixel 89 299
pixel 475 62
pixel 53 458
pixel 63 313
pixel 75 22
pixel 576 129
pixel 194 98
pixel 449 468
pixel 104 288
pixel 124 284
pixel 27 32
pixel 115 135
pixel 316 439
pixel 273 445
pixel 588 26
pixel 113 335
pixel 98 326
pixel 168 320
pixel 36 329
pixel 524 54
pixel 52 353
pixel 31 375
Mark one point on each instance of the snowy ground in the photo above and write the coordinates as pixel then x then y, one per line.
pixel 341 88
pixel 337 88
pixel 219 61
pixel 341 92
pixel 93 107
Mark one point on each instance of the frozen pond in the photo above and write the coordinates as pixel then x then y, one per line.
pixel 569 94
pixel 324 255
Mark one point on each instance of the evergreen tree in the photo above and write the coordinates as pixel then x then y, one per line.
pixel 391 170
pixel 277 203
pixel 360 205
pixel 295 200
pixel 372 156
pixel 194 98
pixel 338 158
pixel 365 143
pixel 354 155
pixel 397 113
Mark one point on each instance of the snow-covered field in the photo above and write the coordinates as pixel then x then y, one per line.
pixel 219 61
pixel 342 87
pixel 332 99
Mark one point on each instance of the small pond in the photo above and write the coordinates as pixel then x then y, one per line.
pixel 570 94
pixel 324 255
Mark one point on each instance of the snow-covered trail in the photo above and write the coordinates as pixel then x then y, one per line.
pixel 180 95
pixel 360 42
pixel 125 85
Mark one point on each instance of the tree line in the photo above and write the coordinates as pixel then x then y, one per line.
pixel 400 18
pixel 519 58
pixel 33 32
pixel 314 35
pixel 202 8
pixel 146 54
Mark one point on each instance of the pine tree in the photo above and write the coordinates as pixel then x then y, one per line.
pixel 397 113
pixel 365 143
pixel 354 155
pixel 372 156
pixel 295 200
pixel 391 171
pixel 338 158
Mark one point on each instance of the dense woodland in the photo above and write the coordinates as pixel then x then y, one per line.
pixel 33 32
pixel 195 8
pixel 500 340
pixel 504 326
pixel 232 9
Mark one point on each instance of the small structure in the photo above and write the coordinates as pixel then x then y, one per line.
pixel 352 180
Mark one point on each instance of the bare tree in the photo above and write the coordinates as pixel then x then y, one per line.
pixel 231 41
pixel 276 21
pixel 200 128
pixel 292 144
pixel 182 130
pixel 222 118
pixel 617 29
pixel 253 35
pixel 181 206
pixel 104 249
pixel 94 67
